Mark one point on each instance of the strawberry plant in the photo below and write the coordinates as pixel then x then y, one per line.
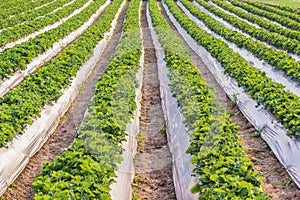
pixel 28 16
pixel 16 58
pixel 271 9
pixel 288 9
pixel 87 168
pixel 285 21
pixel 272 56
pixel 266 24
pixel 26 101
pixel 17 32
pixel 14 7
pixel 221 166
pixel 285 106
pixel 274 39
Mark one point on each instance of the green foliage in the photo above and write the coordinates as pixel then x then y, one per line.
pixel 286 182
pixel 14 7
pixel 272 56
pixel 83 171
pixel 271 9
pixel 164 129
pixel 16 58
pixel 266 24
pixel 283 104
pixel 28 16
pixel 22 104
pixel 256 134
pixel 285 21
pixel 9 35
pixel 287 6
pixel 220 162
pixel 88 167
pixel 274 39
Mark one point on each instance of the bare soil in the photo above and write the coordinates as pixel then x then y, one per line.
pixel 262 157
pixel 67 128
pixel 153 162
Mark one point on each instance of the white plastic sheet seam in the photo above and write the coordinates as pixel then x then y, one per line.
pixel 47 28
pixel 285 148
pixel 177 134
pixel 275 74
pixel 15 158
pixel 121 189
pixel 40 60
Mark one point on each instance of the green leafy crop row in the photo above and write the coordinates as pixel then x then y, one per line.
pixel 87 168
pixel 274 57
pixel 22 104
pixel 279 41
pixel 12 21
pixel 289 23
pixel 16 58
pixel 283 104
pixel 293 34
pixel 290 15
pixel 17 32
pixel 224 170
pixel 13 7
pixel 289 9
pixel 11 4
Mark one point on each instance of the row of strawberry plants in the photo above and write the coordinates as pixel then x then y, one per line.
pixel 22 6
pixel 271 9
pixel 293 34
pixel 17 32
pixel 279 41
pixel 22 104
pixel 28 16
pixel 9 4
pixel 289 23
pixel 283 104
pixel 224 170
pixel 288 9
pixel 273 57
pixel 87 168
pixel 16 58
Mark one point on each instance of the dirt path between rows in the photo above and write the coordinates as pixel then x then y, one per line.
pixel 262 157
pixel 67 128
pixel 153 162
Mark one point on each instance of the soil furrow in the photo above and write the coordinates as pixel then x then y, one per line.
pixel 67 128
pixel 153 162
pixel 276 180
